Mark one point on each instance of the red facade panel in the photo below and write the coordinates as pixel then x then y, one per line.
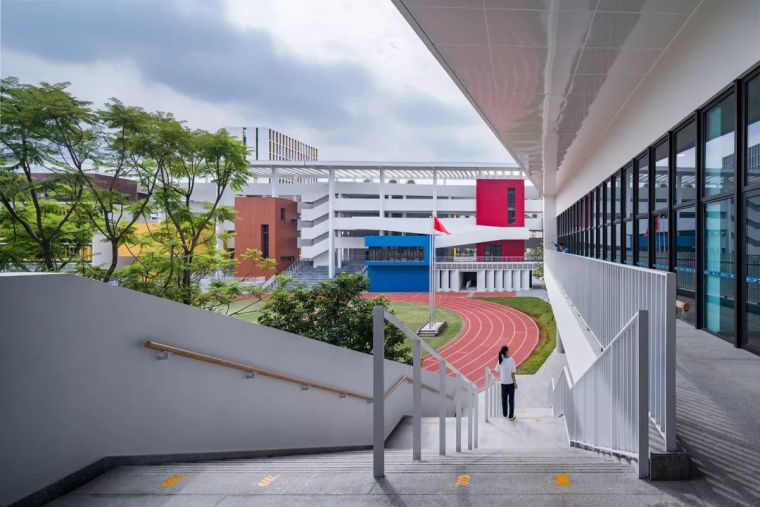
pixel 491 202
pixel 491 208
pixel 279 215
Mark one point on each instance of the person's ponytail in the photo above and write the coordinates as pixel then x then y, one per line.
pixel 503 353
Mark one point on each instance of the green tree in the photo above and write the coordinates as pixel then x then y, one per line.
pixel 335 312
pixel 125 142
pixel 174 258
pixel 46 137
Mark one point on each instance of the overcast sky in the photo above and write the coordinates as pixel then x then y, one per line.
pixel 348 76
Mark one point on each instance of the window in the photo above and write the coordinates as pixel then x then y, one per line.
pixel 282 215
pixel 719 166
pixel 628 241
pixel 752 271
pixel 628 180
pixel 661 241
pixel 686 259
pixel 265 241
pixel 642 243
pixel 686 160
pixel 753 130
pixel 642 168
pixel 718 250
pixel 661 177
pixel 511 206
pixel 396 254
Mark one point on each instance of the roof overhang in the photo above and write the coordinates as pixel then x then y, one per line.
pixel 547 76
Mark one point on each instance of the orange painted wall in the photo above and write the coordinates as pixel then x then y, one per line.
pixel 252 213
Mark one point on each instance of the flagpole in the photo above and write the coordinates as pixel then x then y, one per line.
pixel 431 295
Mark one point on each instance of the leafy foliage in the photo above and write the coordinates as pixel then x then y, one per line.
pixel 335 312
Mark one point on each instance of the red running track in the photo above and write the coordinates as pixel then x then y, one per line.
pixel 487 326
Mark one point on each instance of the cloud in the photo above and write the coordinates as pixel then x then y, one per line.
pixel 351 78
pixel 194 51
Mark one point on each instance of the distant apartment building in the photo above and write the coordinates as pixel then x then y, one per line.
pixel 265 144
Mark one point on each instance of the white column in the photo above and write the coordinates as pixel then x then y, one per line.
pixel 454 283
pixel 382 196
pixel 508 279
pixel 435 191
pixel 525 283
pixel 550 221
pixel 515 279
pixel 445 280
pixel 274 181
pixel 499 280
pixel 331 224
pixel 489 280
pixel 481 287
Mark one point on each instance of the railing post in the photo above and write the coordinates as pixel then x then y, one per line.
pixel 642 327
pixel 416 401
pixel 458 398
pixel 442 413
pixel 475 413
pixel 670 364
pixel 487 394
pixel 469 417
pixel 378 388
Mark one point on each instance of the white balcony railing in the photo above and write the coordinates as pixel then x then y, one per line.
pixel 606 408
pixel 605 296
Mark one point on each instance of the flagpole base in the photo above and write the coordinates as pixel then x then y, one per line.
pixel 434 330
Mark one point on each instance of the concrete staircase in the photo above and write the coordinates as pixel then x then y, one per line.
pixel 309 275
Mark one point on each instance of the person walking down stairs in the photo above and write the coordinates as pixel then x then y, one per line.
pixel 507 369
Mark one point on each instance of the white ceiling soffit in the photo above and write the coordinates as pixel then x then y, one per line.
pixel 547 76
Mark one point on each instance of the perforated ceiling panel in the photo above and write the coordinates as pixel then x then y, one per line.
pixel 547 75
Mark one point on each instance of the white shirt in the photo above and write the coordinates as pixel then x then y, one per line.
pixel 506 369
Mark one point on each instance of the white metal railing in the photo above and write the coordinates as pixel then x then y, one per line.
pixel 605 409
pixel 465 392
pixel 605 296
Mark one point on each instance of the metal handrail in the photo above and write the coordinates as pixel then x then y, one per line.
pixel 605 295
pixel 247 368
pixel 606 408
pixel 379 317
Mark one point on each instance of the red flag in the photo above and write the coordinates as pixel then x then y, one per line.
pixel 438 226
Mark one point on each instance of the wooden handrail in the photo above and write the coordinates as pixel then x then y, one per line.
pixel 247 368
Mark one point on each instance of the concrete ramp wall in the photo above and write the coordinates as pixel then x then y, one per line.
pixel 77 384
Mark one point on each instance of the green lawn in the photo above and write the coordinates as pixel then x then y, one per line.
pixel 251 312
pixel 541 312
pixel 412 314
pixel 415 315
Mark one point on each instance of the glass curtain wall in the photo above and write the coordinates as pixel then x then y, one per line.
pixel 690 203
pixel 752 215
pixel 719 217
pixel 642 211
pixel 684 212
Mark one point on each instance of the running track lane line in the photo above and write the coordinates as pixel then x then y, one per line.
pixel 486 327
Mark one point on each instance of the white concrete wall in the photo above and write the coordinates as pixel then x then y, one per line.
pixel 76 383
pixel 719 43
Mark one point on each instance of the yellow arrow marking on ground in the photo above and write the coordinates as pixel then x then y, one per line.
pixel 562 480
pixel 268 480
pixel 171 481
pixel 463 481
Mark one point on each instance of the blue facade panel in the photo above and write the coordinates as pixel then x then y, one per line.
pixel 398 278
pixel 398 275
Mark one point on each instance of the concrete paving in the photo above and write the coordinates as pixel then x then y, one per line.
pixel 522 463
pixel 717 411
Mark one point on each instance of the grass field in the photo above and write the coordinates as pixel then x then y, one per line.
pixel 412 314
pixel 251 312
pixel 415 315
pixel 541 312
